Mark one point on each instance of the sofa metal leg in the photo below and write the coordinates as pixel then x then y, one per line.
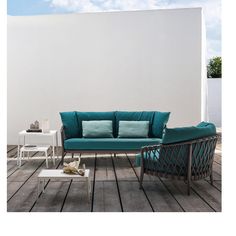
pixel 62 157
pixel 72 155
pixel 141 178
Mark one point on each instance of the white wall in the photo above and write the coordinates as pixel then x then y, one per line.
pixel 142 60
pixel 214 101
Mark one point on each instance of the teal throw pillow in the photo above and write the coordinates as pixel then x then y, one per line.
pixel 133 129
pixel 175 135
pixel 97 129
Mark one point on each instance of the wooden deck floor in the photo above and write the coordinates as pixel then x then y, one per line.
pixel 115 188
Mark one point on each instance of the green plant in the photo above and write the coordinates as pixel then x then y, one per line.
pixel 214 68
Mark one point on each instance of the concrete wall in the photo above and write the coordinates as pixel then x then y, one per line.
pixel 142 60
pixel 214 101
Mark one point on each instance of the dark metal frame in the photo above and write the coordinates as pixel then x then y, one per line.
pixel 173 161
pixel 64 151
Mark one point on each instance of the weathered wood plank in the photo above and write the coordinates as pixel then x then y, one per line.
pixel 217 171
pixel 76 200
pixel 11 147
pixel 161 200
pixel 123 169
pixel 192 203
pixel 12 153
pixel 14 166
pixel 23 200
pixel 217 158
pixel 12 187
pixel 210 194
pixel 53 198
pixel 25 171
pixel 104 169
pixel 105 196
pixel 133 199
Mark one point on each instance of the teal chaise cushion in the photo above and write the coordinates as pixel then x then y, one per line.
pixel 109 143
pixel 176 135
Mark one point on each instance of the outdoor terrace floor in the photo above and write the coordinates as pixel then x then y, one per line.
pixel 115 188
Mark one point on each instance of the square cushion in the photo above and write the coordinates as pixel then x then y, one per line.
pixel 70 123
pixel 134 116
pixel 97 129
pixel 175 135
pixel 133 129
pixel 94 116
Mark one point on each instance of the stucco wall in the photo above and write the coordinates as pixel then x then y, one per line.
pixel 142 60
pixel 215 101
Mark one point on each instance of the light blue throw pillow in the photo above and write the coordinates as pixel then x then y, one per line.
pixel 97 129
pixel 133 129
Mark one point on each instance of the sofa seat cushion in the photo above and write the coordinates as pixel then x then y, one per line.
pixel 109 143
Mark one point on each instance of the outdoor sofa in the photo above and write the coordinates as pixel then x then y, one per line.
pixel 77 137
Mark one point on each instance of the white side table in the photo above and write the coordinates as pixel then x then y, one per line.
pixel 56 174
pixel 43 149
pixel 26 135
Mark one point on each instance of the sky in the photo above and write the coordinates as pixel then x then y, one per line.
pixel 211 9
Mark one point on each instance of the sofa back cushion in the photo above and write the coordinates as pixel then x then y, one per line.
pixel 133 129
pixel 81 116
pixel 134 116
pixel 159 122
pixel 176 135
pixel 97 129
pixel 70 123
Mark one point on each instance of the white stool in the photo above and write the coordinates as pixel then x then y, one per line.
pixel 24 149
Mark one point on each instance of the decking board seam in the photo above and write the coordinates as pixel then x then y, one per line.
pixel 63 203
pixel 139 182
pixel 171 194
pixel 203 199
pixel 25 181
pixel 94 179
pixel 42 191
pixel 117 185
pixel 11 149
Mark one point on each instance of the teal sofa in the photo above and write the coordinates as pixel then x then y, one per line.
pixel 74 142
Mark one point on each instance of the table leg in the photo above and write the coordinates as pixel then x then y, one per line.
pixel 38 188
pixel 20 158
pixel 88 188
pixel 43 185
pixel 53 146
pixel 46 155
pixel 57 145
pixel 18 150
